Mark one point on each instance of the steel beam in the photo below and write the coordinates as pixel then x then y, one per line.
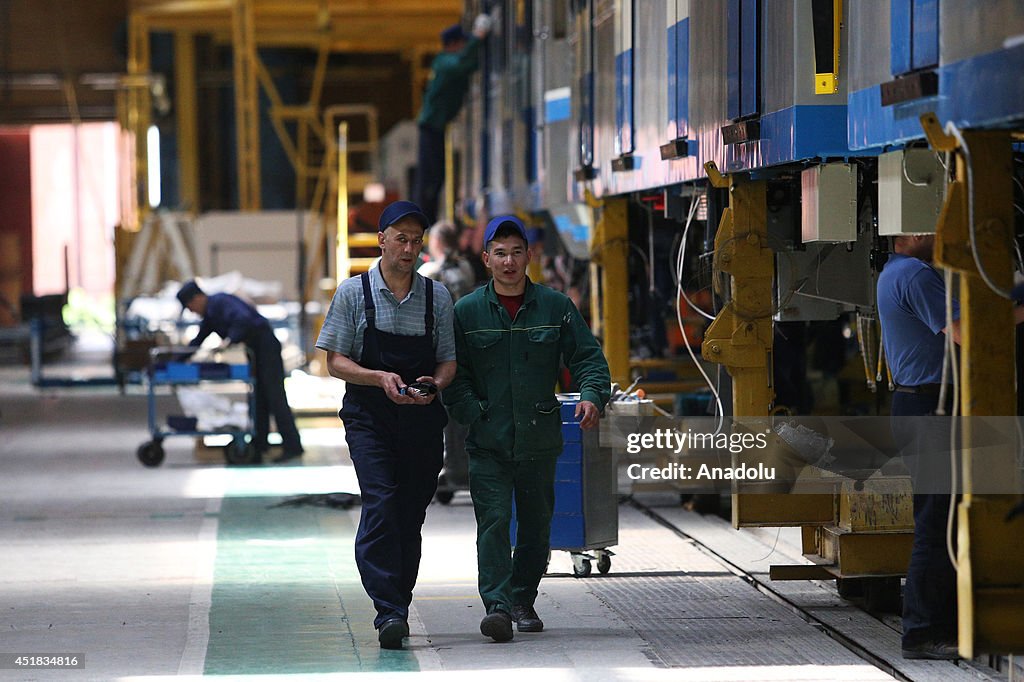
pixel 186 113
pixel 247 113
pixel 139 103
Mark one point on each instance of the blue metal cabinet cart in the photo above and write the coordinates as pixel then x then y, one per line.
pixel 586 516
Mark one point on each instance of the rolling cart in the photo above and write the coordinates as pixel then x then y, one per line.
pixel 170 366
pixel 586 515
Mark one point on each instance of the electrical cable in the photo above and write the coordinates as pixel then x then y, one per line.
pixel 778 533
pixel 681 261
pixel 906 176
pixel 1017 182
pixel 972 228
pixel 940 409
pixel 950 354
pixel 682 330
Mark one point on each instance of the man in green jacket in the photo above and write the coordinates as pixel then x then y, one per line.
pixel 450 72
pixel 510 337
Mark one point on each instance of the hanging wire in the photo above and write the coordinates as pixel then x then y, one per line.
pixel 972 228
pixel 682 328
pixel 906 176
pixel 949 368
pixel 681 262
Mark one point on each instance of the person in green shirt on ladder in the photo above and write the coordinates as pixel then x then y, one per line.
pixel 442 101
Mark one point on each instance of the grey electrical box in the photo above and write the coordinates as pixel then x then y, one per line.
pixel 829 203
pixel 911 183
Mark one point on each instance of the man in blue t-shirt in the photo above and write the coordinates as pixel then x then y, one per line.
pixel 912 310
pixel 235 321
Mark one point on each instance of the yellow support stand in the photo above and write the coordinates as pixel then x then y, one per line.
pixel 741 336
pixel 990 562
pixel 609 249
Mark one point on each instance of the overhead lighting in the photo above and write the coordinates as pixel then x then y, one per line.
pixel 32 81
pixel 374 193
pixel 153 165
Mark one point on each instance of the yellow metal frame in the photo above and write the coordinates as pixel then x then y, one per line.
pixel 137 117
pixel 187 119
pixel 990 562
pixel 609 269
pixel 342 261
pixel 409 27
pixel 828 83
pixel 247 120
pixel 740 337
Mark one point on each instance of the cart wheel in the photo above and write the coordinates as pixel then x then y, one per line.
pixel 240 452
pixel 151 453
pixel 444 496
pixel 604 563
pixel 581 567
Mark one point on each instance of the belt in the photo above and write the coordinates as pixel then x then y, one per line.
pixel 923 389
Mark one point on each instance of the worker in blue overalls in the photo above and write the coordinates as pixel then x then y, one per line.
pixel 235 321
pixel 388 334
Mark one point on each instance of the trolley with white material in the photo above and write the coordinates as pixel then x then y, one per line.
pixel 173 366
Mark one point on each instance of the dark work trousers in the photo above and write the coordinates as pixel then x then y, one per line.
pixel 397 451
pixel 507 579
pixel 429 170
pixel 929 596
pixel 268 373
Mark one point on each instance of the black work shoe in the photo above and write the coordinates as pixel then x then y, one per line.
pixel 497 626
pixel 288 456
pixel 934 651
pixel 391 633
pixel 526 619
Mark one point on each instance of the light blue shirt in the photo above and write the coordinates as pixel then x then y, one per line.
pixel 346 318
pixel 912 309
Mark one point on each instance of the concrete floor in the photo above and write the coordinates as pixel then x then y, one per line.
pixel 196 569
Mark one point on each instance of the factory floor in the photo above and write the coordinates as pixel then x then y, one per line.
pixel 195 569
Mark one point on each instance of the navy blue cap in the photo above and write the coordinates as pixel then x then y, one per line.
pixel 500 221
pixel 398 210
pixel 188 291
pixel 453 33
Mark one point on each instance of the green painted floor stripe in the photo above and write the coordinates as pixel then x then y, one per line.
pixel 287 598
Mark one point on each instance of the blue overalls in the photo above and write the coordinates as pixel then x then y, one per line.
pixel 397 451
